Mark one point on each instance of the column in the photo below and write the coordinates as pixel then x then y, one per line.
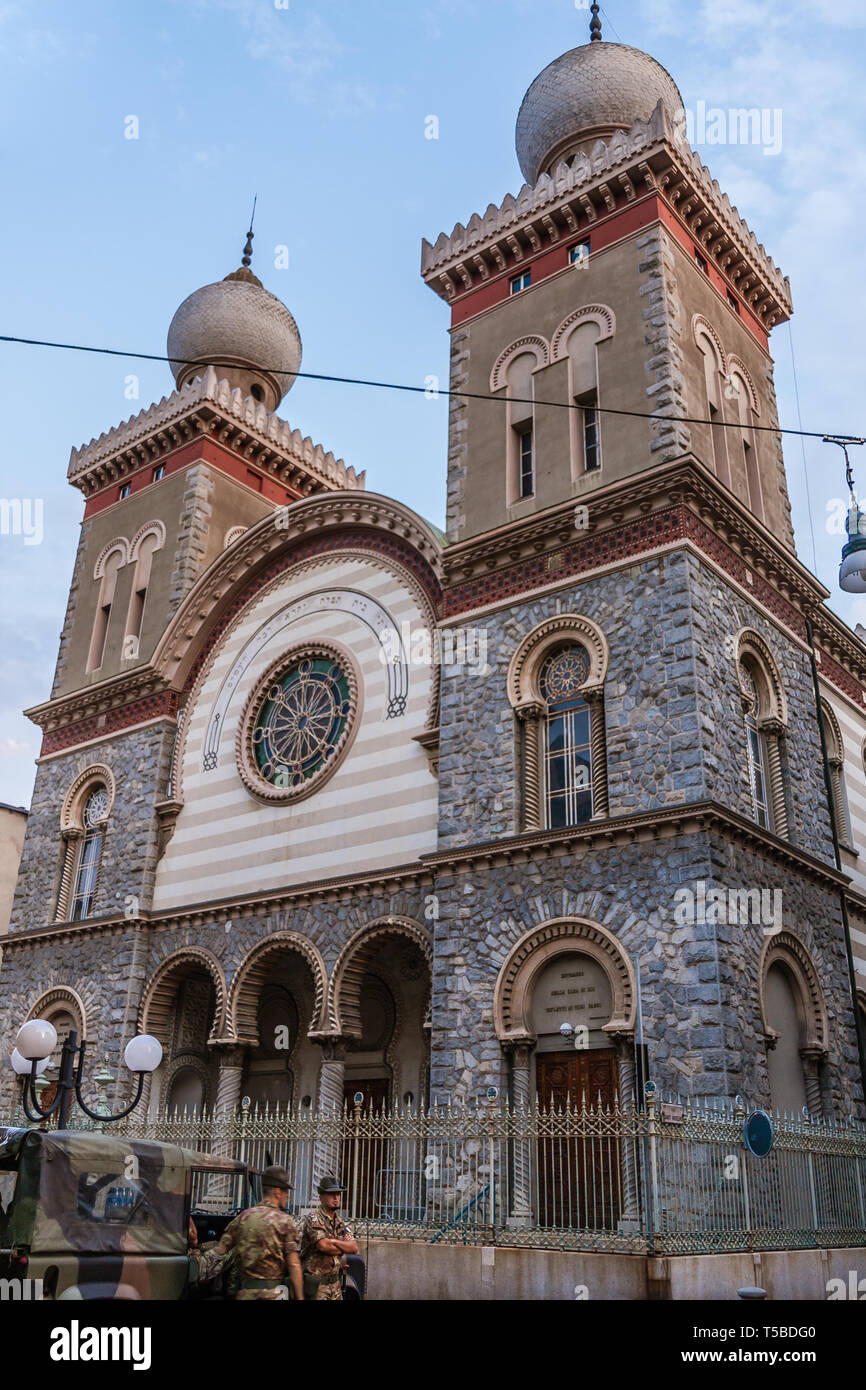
pixel 72 836
pixel 773 732
pixel 630 1215
pixel 226 1107
pixel 530 716
pixel 598 752
pixel 520 1205
pixel 813 1059
pixel 329 1133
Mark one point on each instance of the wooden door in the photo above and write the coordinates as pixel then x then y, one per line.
pixel 364 1178
pixel 578 1176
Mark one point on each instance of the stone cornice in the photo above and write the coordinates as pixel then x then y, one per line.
pixel 208 406
pixel 644 827
pixel 621 503
pixel 651 157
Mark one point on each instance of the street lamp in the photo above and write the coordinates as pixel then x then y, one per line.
pixel 34 1045
pixel 852 571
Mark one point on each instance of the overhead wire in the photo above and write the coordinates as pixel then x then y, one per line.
pixel 431 392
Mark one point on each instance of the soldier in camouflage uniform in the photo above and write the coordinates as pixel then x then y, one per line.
pixel 325 1239
pixel 262 1242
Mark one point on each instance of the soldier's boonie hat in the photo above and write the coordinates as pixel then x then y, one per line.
pixel 276 1177
pixel 329 1184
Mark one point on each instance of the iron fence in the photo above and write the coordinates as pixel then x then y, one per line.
pixel 663 1177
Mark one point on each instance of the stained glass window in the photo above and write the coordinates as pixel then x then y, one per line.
pixel 89 854
pixel 567 756
pixel 301 721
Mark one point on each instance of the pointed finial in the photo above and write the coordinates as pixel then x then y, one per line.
pixel 594 24
pixel 248 249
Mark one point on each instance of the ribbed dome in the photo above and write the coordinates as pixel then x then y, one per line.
pixel 588 93
pixel 246 333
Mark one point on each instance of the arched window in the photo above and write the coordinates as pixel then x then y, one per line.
pixel 515 370
pixel 756 748
pixel 836 761
pixel 765 721
pixel 89 854
pixel 567 764
pixel 714 373
pixel 108 566
pixel 577 340
pixel 142 552
pixel 583 392
pixel 556 688
pixel 522 439
pixel 745 406
pixel 83 823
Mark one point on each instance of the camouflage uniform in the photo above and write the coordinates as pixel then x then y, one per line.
pixel 260 1242
pixel 323 1225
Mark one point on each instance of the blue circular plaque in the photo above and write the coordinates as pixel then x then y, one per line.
pixel 758 1133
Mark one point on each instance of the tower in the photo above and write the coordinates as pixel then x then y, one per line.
pixel 646 733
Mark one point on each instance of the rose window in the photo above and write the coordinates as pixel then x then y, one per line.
pixel 301 722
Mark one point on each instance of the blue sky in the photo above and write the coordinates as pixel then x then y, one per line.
pixel 320 109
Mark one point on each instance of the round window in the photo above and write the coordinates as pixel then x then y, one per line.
pixel 297 724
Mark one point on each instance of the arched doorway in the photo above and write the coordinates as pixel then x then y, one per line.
pixel 379 1007
pixel 282 1065
pixel 784 1063
pixel 565 1014
pixel 795 1025
pixel 183 1007
pixel 186 1093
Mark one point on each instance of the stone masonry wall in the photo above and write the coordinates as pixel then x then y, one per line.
pixel 140 763
pixel 699 980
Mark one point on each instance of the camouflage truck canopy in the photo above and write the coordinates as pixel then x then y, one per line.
pixel 98 1192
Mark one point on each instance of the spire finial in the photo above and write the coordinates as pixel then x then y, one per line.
pixel 594 25
pixel 248 249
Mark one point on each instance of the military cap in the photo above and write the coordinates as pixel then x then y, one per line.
pixel 275 1176
pixel 329 1184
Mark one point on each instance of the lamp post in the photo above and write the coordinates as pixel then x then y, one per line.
pixel 34 1045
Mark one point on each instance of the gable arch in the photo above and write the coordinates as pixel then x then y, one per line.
pixel 751 645
pixel 701 327
pixel 599 314
pixel 61 998
pixel 150 528
pixel 243 1003
pixel 538 346
pixel 513 993
pixel 737 367
pixel 344 997
pixel 526 663
pixel 788 950
pixel 76 796
pixel 831 724
pixel 157 1005
pixel 120 544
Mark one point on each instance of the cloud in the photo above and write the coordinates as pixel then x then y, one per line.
pixel 11 747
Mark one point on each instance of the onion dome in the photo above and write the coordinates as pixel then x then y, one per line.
pixel 585 95
pixel 241 330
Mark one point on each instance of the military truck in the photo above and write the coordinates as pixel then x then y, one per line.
pixel 100 1216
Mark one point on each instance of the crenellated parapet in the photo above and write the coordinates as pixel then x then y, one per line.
pixel 209 406
pixel 652 157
